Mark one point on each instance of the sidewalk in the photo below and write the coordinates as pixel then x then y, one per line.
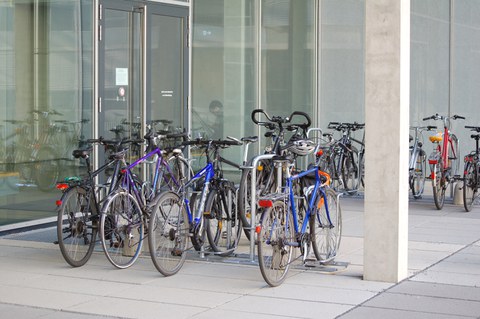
pixel 444 260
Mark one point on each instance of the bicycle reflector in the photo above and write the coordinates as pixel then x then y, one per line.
pixel 265 203
pixel 58 202
pixel 62 186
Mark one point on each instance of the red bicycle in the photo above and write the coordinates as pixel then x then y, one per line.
pixel 444 158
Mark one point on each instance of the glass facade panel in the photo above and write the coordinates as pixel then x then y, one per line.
pixel 466 69
pixel 287 56
pixel 223 70
pixel 342 62
pixel 45 101
pixel 430 59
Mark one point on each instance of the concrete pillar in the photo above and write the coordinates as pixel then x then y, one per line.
pixel 387 60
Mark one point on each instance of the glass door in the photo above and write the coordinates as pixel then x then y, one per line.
pixel 167 61
pixel 120 70
pixel 142 68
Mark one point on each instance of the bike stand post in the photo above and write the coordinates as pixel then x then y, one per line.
pixel 253 202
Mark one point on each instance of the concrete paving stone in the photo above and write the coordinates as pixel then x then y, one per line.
pixel 318 294
pixel 43 298
pixel 437 290
pixel 457 267
pixel 434 305
pixel 211 284
pixel 175 296
pixel 448 278
pixel 419 260
pixel 84 286
pixel 223 314
pixel 473 249
pixel 22 312
pixel 438 247
pixel 127 308
pixel 351 279
pixel 382 313
pixel 253 305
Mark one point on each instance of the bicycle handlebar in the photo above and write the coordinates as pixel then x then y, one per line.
pixel 220 143
pixel 281 120
pixel 474 128
pixel 441 117
pixel 104 141
pixel 345 126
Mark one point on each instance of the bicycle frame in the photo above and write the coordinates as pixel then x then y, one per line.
pixel 157 176
pixel 208 172
pixel 311 203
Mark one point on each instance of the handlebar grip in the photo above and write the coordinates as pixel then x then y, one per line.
pixel 305 115
pixel 459 117
pixel 428 118
pixel 254 112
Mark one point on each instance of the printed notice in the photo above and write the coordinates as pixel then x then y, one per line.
pixel 121 76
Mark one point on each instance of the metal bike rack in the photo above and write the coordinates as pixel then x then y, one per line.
pixel 253 201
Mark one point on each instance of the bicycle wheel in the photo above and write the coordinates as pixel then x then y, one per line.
pixel 274 254
pixel 264 183
pixel 417 180
pixel 168 234
pixel 326 228
pixel 222 222
pixel 439 186
pixel 121 229
pixel 350 172
pixel 77 225
pixel 469 186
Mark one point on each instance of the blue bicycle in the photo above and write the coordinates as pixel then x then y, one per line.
pixel 290 220
pixel 178 216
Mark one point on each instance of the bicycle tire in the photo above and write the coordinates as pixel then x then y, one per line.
pixel 168 234
pixel 469 186
pixel 264 183
pixel 122 229
pixel 439 186
pixel 326 231
pixel 417 179
pixel 222 223
pixel 274 254
pixel 77 226
pixel 350 172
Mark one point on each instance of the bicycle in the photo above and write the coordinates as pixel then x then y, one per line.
pixel 177 217
pixel 284 225
pixel 80 204
pixel 265 173
pixel 417 162
pixel 82 199
pixel 346 160
pixel 443 160
pixel 471 172
pixel 127 209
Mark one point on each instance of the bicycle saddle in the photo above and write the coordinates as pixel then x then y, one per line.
pixel 436 138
